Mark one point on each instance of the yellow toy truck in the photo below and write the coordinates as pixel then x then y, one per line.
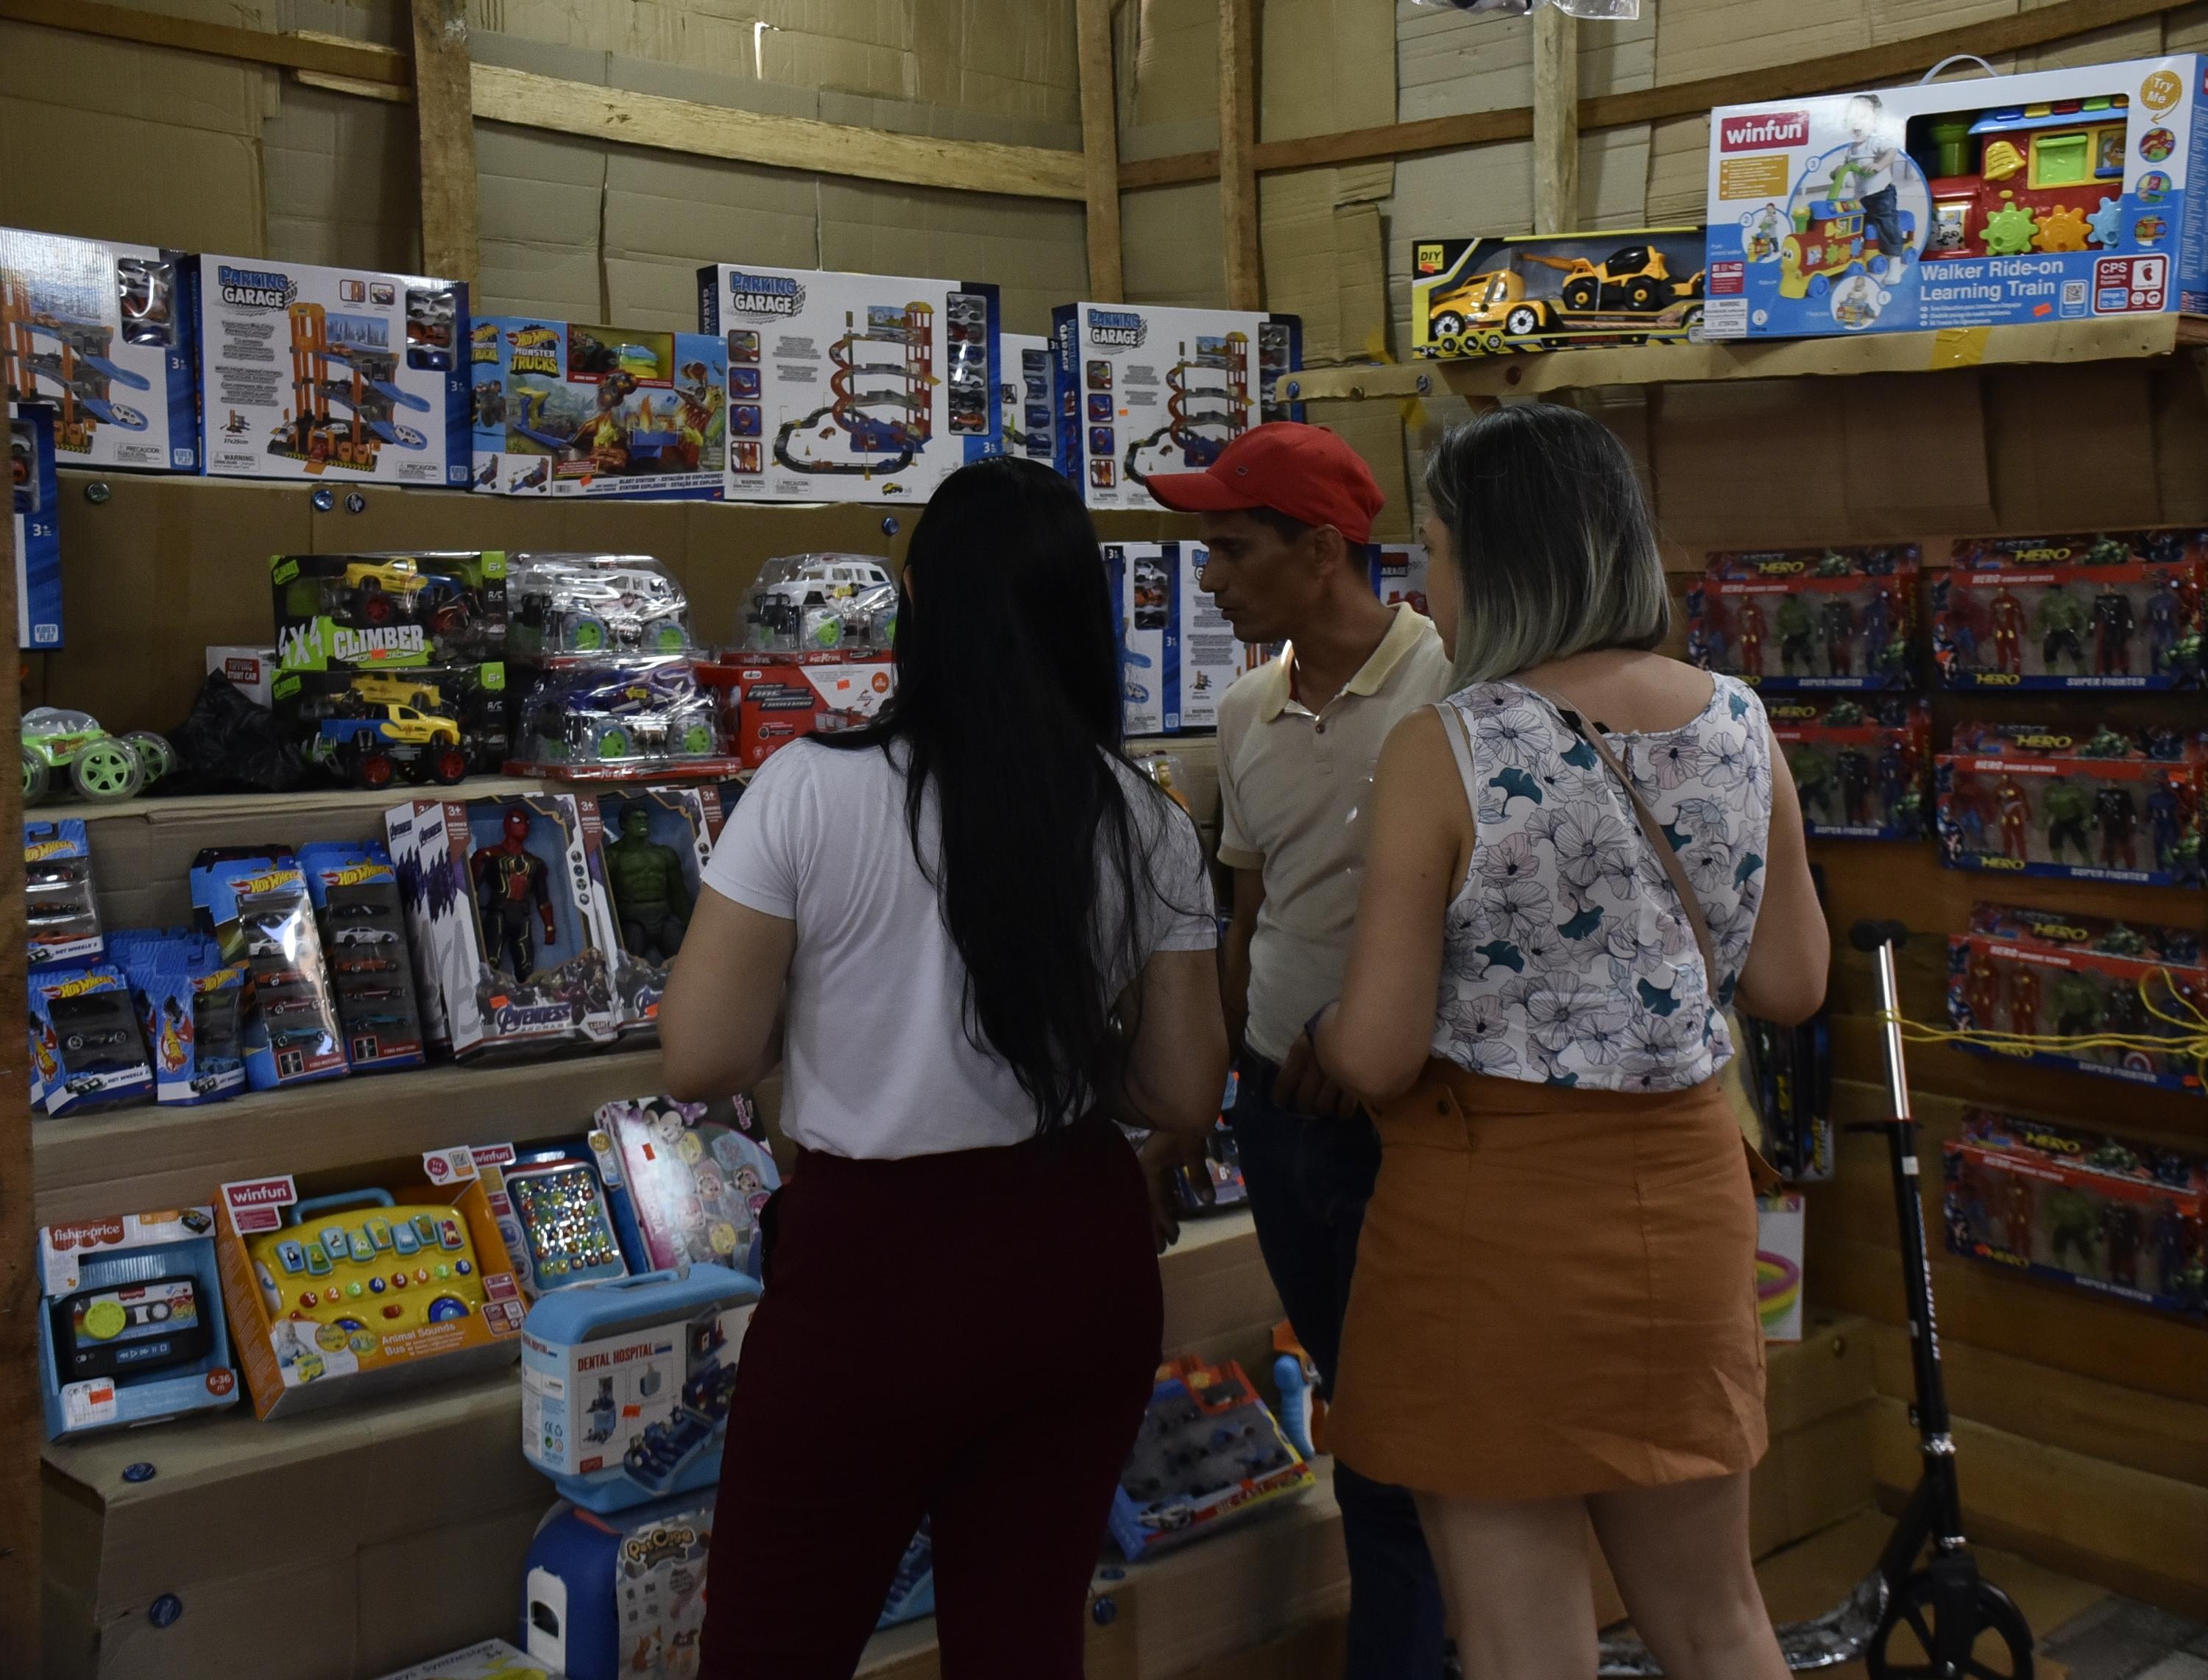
pixel 1487 297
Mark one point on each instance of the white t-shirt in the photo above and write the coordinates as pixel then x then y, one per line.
pixel 876 1060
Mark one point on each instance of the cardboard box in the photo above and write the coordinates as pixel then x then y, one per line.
pixel 2055 195
pixel 491 1659
pixel 248 670
pixel 1398 573
pixel 347 374
pixel 98 334
pixel 1177 652
pixel 776 698
pixel 1030 410
pixel 1786 619
pixel 1555 291
pixel 35 525
pixel 852 388
pixel 361 611
pixel 1144 390
pixel 564 409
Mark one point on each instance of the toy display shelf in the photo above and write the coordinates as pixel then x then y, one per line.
pixel 277 810
pixel 1532 372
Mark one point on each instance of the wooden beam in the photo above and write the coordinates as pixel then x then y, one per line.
pixel 1869 67
pixel 1555 121
pixel 1099 151
pixel 446 130
pixel 1237 142
pixel 323 54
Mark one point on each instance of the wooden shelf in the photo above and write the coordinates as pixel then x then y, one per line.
pixel 265 811
pixel 2115 339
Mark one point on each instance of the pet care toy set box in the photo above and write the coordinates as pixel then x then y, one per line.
pixel 2109 610
pixel 1207 1450
pixel 1144 390
pixel 1806 618
pixel 565 409
pixel 1554 291
pixel 1178 654
pixel 131 1325
pixel 98 335
pixel 37 544
pixel 2049 974
pixel 853 387
pixel 2035 799
pixel 1028 388
pixel 2055 195
pixel 346 375
pixel 366 1291
pixel 1859 765
pixel 2079 1208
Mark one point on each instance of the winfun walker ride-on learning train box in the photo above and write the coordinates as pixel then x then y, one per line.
pixel 2057 195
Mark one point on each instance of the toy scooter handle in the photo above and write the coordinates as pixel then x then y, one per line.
pixel 1868 935
pixel 347 1198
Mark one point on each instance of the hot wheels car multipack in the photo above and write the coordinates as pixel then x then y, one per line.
pixel 260 912
pixel 1555 291
pixel 1207 1450
pixel 1178 654
pixel 2078 1208
pixel 1859 765
pixel 1147 390
pixel 2114 610
pixel 1030 412
pixel 563 409
pixel 86 1050
pixel 2037 800
pixel 60 904
pixel 852 388
pixel 305 370
pixel 191 1005
pixel 2049 974
pixel 2054 195
pixel 1808 618
pixel 98 334
pixel 357 901
pixel 35 508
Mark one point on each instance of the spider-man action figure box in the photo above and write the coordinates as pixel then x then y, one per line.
pixel 2116 609
pixel 2036 800
pixel 1783 619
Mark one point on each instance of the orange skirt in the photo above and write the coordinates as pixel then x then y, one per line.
pixel 1555 1294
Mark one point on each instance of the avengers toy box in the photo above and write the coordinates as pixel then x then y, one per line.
pixel 2110 610
pixel 491 1659
pixel 1030 410
pixel 1177 653
pixel 688 1181
pixel 2045 973
pixel 852 388
pixel 36 513
pixel 341 1297
pixel 625 1383
pixel 2036 800
pixel 345 375
pixel 2074 1208
pixel 1144 390
pixel 1555 291
pixel 131 1329
pixel 1859 765
pixel 2055 195
pixel 1808 618
pixel 98 335
pixel 563 409
pixel 360 611
pixel 1207 1450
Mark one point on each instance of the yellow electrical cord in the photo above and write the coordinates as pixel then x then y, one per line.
pixel 2191 1043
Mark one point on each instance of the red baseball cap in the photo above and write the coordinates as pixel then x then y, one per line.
pixel 1304 471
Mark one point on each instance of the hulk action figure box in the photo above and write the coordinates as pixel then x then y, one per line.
pixel 654 843
pixel 1790 619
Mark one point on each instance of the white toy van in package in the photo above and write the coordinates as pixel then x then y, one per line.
pixel 852 388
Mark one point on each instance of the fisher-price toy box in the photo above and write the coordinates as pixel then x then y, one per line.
pixel 565 409
pixel 98 334
pixel 852 388
pixel 1142 391
pixel 2056 196
pixel 1177 653
pixel 345 375
pixel 34 506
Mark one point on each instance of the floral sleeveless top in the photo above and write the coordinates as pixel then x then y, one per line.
pixel 1566 959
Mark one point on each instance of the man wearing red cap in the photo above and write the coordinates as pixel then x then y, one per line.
pixel 1288 510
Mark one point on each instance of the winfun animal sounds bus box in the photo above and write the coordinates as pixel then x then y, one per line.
pixel 2059 196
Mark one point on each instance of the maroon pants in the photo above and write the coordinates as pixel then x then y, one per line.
pixel 969 1337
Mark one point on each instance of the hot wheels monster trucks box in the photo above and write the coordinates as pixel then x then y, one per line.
pixel 98 334
pixel 1143 390
pixel 1030 407
pixel 1554 291
pixel 2055 195
pixel 2117 609
pixel 347 375
pixel 36 525
pixel 852 388
pixel 564 409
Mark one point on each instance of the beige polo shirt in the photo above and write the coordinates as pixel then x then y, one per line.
pixel 1293 790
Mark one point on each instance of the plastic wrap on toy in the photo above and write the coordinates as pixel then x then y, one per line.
pixel 65 750
pixel 1859 766
pixel 422 608
pixel 2047 974
pixel 86 1045
pixel 621 720
pixel 356 892
pixel 418 724
pixel 2110 610
pixel 262 916
pixel 60 903
pixel 2042 799
pixel 2079 1208
pixel 191 1006
pixel 688 1182
pixel 1808 618
pixel 822 604
pixel 587 603
pixel 655 845
pixel 1209 1451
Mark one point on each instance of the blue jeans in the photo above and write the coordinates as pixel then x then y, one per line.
pixel 1309 1180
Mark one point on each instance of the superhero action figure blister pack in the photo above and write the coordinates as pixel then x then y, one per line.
pixel 1859 766
pixel 2036 800
pixel 1808 618
pixel 2080 1208
pixel 2113 610
pixel 655 843
pixel 2048 974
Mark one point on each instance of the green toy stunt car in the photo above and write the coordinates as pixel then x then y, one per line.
pixel 71 744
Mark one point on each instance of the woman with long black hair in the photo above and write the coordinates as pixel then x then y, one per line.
pixel 970 934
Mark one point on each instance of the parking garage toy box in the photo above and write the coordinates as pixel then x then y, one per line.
pixel 2057 195
pixel 341 375
pixel 853 387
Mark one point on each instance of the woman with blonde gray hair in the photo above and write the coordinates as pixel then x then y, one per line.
pixel 1578 860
